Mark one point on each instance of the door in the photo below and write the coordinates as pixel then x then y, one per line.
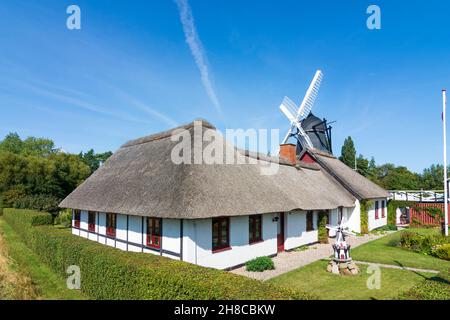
pixel 280 232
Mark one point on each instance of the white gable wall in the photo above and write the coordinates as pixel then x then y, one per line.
pixel 377 223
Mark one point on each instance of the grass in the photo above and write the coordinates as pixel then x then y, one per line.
pixel 27 265
pixel 315 280
pixel 386 250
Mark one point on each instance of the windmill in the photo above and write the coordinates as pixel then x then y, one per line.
pixel 296 115
pixel 342 262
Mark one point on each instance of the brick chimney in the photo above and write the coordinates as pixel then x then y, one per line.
pixel 288 152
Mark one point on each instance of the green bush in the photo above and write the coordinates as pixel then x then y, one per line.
pixel 434 288
pixel 388 227
pixel 37 202
pixel 425 244
pixel 64 218
pixel 365 206
pixel 260 264
pixel 442 252
pixel 322 229
pixel 109 273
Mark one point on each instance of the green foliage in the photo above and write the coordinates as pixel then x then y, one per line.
pixel 434 288
pixel 388 227
pixel 94 160
pixel 348 152
pixel 322 230
pixel 432 177
pixel 365 207
pixel 34 175
pixel 108 273
pixel 442 251
pixel 260 264
pixel 424 243
pixel 64 218
pixel 31 146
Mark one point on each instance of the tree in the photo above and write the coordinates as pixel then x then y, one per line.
pixel 362 165
pixel 94 160
pixel 433 177
pixel 348 153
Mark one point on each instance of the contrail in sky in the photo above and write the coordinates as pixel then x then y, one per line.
pixel 192 39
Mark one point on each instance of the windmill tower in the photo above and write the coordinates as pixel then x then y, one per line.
pixel 308 130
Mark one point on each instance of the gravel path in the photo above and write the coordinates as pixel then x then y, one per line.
pixel 287 261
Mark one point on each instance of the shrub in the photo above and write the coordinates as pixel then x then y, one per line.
pixel 37 202
pixel 442 252
pixel 260 264
pixel 322 229
pixel 434 288
pixel 109 273
pixel 425 244
pixel 365 206
pixel 64 218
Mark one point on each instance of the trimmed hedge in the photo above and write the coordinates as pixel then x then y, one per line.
pixel 109 273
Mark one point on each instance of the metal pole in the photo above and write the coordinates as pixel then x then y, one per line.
pixel 444 103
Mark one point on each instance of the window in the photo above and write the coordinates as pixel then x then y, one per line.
pixel 154 232
pixel 76 218
pixel 376 210
pixel 91 221
pixel 309 221
pixel 254 228
pixel 111 225
pixel 383 209
pixel 220 234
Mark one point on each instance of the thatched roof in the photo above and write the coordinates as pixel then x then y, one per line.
pixel 141 179
pixel 358 185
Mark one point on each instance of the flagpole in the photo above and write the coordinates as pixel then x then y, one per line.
pixel 444 104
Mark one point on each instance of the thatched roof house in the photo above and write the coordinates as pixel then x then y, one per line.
pixel 188 194
pixel 141 179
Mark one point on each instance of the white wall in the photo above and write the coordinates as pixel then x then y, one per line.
pixel 132 238
pixel 376 223
pixel 295 232
pixel 197 242
pixel 353 217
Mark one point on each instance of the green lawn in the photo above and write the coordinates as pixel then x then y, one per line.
pixel 46 283
pixel 395 283
pixel 315 280
pixel 386 250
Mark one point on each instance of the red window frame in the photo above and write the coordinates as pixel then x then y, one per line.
pixel 76 218
pixel 91 221
pixel 255 228
pixel 154 232
pixel 111 223
pixel 376 210
pixel 383 209
pixel 310 221
pixel 220 239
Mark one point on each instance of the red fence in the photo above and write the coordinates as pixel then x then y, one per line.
pixel 422 216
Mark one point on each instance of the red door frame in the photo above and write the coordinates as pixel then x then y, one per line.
pixel 280 236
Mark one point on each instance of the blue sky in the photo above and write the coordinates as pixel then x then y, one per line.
pixel 129 71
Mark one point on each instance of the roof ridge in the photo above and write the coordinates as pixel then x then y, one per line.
pixel 167 133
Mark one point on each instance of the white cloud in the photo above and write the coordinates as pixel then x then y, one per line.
pixel 192 39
